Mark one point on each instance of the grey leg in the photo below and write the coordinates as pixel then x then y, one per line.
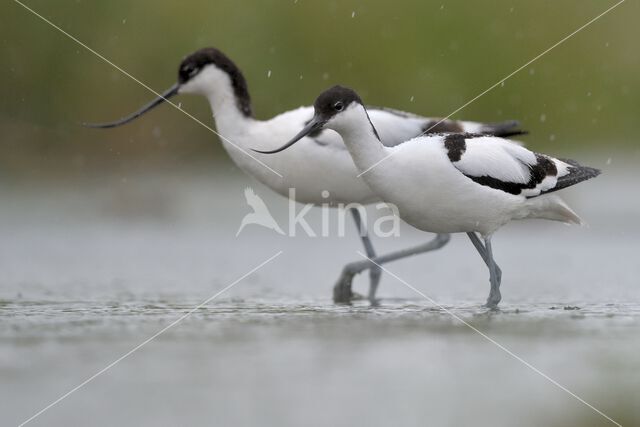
pixel 483 253
pixel 342 292
pixel 495 274
pixel 351 269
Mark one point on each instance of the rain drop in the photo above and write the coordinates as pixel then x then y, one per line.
pixel 609 161
pixel 543 118
pixel 353 14
pixel 411 99
pixel 269 74
pixel 552 137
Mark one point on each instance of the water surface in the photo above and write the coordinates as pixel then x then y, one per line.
pixel 88 273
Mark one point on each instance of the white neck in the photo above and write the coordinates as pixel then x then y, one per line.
pixel 359 136
pixel 216 85
pixel 228 118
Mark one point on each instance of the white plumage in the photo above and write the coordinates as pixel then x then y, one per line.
pixel 508 162
pixel 319 165
pixel 498 158
pixel 453 182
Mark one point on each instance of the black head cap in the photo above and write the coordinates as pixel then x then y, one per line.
pixel 194 63
pixel 334 100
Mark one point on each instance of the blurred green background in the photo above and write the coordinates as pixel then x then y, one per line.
pixel 425 57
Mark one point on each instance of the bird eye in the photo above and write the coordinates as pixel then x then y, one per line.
pixel 338 106
pixel 189 70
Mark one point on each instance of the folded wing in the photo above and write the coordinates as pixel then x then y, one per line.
pixel 396 127
pixel 503 165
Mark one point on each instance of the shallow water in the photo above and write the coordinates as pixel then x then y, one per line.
pixel 90 272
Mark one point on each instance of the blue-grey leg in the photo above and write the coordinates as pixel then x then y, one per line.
pixel 351 269
pixel 495 274
pixel 342 292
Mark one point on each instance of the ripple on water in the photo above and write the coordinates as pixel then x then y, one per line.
pixel 51 319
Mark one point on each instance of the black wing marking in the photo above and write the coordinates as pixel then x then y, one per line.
pixel 543 168
pixel 503 129
pixel 456 145
pixel 577 173
pixel 435 126
pixel 504 166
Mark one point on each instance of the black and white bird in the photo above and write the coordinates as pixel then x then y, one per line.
pixel 319 168
pixel 451 183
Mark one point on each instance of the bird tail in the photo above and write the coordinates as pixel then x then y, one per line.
pixel 553 208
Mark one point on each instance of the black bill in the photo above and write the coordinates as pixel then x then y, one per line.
pixel 314 125
pixel 172 91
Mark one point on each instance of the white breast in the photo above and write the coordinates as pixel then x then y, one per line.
pixel 432 195
pixel 312 166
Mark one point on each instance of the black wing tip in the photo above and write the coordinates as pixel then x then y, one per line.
pixel 593 171
pixel 515 132
pixel 504 129
pixel 584 173
pixel 577 174
pixel 587 170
